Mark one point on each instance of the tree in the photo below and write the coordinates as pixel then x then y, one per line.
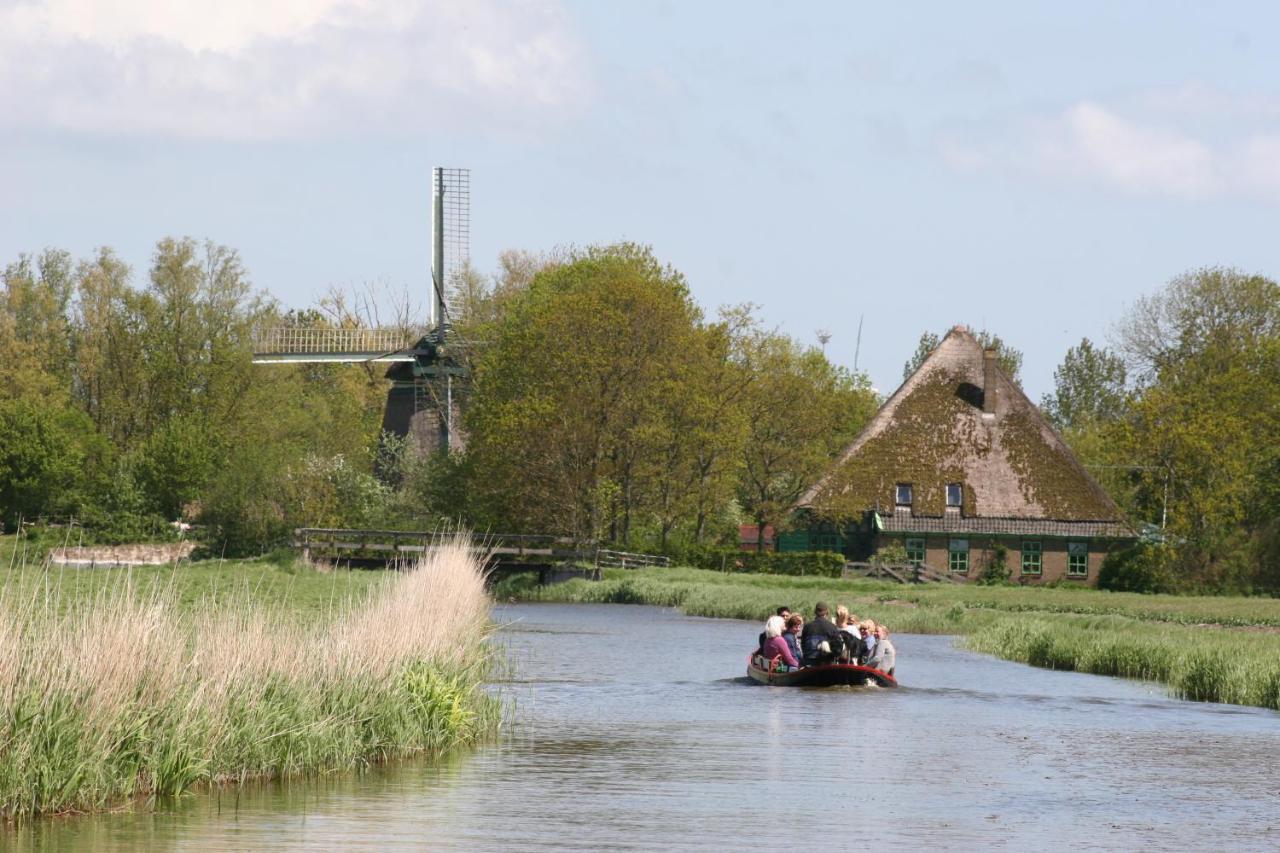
pixel 1089 388
pixel 1009 359
pixel 577 371
pixel 41 458
pixel 800 411
pixel 1206 419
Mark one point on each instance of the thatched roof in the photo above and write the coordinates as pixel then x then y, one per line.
pixel 933 431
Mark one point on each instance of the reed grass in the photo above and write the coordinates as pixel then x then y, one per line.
pixel 127 693
pixel 1145 637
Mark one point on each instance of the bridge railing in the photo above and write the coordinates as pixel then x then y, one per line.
pixel 608 559
pixel 321 341
pixel 392 545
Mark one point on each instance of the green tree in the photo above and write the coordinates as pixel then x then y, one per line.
pixel 1009 358
pixel 1089 388
pixel 176 463
pixel 1207 411
pixel 42 459
pixel 577 369
pixel 800 411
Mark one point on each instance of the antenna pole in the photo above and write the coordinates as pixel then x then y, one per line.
pixel 857 348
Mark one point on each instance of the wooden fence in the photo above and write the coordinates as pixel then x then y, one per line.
pixel 900 572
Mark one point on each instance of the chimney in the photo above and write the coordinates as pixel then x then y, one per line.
pixel 989 391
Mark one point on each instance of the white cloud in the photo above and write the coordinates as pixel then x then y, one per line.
pixel 261 68
pixel 1160 151
pixel 1090 141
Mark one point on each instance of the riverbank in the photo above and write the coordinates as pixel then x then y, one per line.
pixel 1205 649
pixel 126 686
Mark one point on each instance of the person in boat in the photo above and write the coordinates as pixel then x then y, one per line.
pixel 875 652
pixel 775 646
pixel 791 634
pixel 784 612
pixel 888 654
pixel 848 625
pixel 867 648
pixel 821 639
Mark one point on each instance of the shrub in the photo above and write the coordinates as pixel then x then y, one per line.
pixel 996 571
pixel 723 558
pixel 1142 568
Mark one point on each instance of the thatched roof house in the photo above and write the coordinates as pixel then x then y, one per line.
pixel 959 466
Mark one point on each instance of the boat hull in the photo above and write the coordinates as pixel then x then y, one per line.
pixel 827 675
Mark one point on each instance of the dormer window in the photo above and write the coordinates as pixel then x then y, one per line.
pixel 903 494
pixel 955 494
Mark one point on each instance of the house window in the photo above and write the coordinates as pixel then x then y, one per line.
pixel 915 552
pixel 1077 559
pixel 958 556
pixel 1032 558
pixel 904 494
pixel 955 494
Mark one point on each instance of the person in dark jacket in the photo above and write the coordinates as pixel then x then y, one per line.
pixel 795 623
pixel 820 641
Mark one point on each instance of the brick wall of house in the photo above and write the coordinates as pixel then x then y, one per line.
pixel 1054 557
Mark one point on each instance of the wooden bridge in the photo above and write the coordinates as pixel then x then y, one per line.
pixel 552 557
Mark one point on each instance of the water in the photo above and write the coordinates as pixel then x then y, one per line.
pixel 637 730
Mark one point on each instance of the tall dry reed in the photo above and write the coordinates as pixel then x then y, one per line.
pixel 122 695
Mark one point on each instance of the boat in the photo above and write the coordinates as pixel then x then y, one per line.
pixel 825 675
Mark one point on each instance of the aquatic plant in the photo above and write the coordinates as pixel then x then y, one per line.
pixel 124 695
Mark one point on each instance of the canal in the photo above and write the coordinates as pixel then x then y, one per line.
pixel 635 729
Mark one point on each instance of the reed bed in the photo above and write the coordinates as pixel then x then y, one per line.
pixel 1206 662
pixel 122 695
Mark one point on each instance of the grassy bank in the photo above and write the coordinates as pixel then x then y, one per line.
pixel 1071 629
pixel 117 685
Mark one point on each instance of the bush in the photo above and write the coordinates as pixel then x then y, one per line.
pixel 796 563
pixel 1143 568
pixel 997 570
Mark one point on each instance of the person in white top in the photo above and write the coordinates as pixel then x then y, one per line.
pixel 884 648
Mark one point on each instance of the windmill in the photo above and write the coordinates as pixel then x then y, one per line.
pixel 428 373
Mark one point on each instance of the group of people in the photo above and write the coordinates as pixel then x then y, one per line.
pixel 797 643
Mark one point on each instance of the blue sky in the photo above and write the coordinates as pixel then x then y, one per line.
pixel 1006 165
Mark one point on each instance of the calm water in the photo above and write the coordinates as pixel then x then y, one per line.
pixel 637 731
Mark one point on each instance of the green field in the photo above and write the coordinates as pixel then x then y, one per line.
pixel 282 583
pixel 1203 648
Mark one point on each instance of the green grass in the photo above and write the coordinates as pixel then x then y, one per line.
pixel 123 686
pixel 1180 642
pixel 272 582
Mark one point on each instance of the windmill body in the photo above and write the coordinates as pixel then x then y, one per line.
pixel 430 382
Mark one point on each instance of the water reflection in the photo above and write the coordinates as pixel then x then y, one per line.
pixel 637 730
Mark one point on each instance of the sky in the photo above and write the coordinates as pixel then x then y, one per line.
pixel 1029 169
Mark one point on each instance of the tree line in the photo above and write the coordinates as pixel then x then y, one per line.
pixel 606 405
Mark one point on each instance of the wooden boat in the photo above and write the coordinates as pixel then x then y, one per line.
pixel 826 675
